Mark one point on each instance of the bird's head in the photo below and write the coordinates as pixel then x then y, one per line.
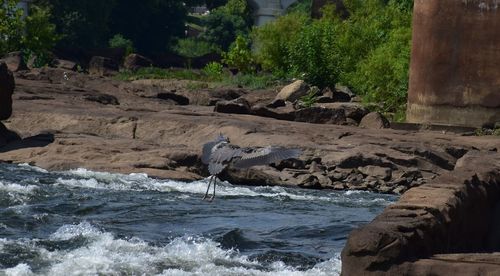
pixel 222 138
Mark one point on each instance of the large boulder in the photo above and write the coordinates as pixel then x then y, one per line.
pixel 6 90
pixel 293 91
pixel 320 115
pixel 102 66
pixel 374 120
pixel 355 111
pixel 15 61
pixel 135 61
pixel 237 106
pixel 65 64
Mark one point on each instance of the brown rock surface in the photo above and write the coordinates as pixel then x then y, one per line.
pixel 454 213
pixel 142 133
pixel 15 61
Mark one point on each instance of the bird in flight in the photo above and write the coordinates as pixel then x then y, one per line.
pixel 219 154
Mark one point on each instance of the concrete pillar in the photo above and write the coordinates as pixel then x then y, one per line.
pixel 455 62
pixel 268 10
pixel 24 5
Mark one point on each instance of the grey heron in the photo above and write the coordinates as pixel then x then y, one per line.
pixel 219 154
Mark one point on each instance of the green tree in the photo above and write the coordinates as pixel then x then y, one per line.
pixel 240 56
pixel 225 23
pixel 152 25
pixel 82 24
pixel 11 27
pixel 272 41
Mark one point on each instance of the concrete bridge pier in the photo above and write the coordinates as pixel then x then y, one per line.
pixel 454 71
pixel 268 10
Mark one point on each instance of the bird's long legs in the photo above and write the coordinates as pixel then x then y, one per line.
pixel 208 188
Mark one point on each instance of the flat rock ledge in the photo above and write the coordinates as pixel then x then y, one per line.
pixel 63 120
pixel 448 226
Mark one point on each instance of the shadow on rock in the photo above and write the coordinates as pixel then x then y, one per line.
pixel 10 140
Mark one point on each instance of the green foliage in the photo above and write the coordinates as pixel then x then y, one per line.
pixel 369 51
pixel 150 24
pixel 214 71
pixel 311 98
pixel 240 56
pixel 301 6
pixel 82 24
pixel 375 42
pixel 34 35
pixel 272 41
pixel 252 81
pixel 311 55
pixel 193 47
pixel 11 27
pixel 118 41
pixel 225 23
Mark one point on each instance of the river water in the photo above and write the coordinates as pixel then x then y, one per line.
pixel 81 222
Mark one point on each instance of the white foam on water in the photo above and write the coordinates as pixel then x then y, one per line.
pixel 140 182
pixel 17 188
pixel 19 270
pixel 104 254
pixel 33 168
pixel 16 192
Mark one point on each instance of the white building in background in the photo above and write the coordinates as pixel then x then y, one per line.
pixel 24 4
pixel 268 10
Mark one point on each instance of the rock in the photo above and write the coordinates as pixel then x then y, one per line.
pixel 102 99
pixel 134 62
pixel 7 85
pixel 320 115
pixel 276 103
pixel 293 91
pixel 7 136
pixel 102 66
pixel 237 106
pixel 65 64
pixel 376 171
pixel 15 61
pixel 374 120
pixel 282 113
pixel 339 186
pixel 345 90
pixel 179 99
pixel 430 219
pixel 330 96
pixel 354 111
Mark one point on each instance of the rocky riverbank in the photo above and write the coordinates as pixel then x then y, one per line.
pixel 448 226
pixel 68 120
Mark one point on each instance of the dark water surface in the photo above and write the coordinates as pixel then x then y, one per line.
pixel 86 223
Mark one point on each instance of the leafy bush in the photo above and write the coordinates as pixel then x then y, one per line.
pixel 272 41
pixel 375 42
pixel 225 23
pixel 192 47
pixel 240 56
pixel 11 27
pixel 214 71
pixel 118 41
pixel 369 51
pixel 312 56
pixel 34 35
pixel 311 98
pixel 252 80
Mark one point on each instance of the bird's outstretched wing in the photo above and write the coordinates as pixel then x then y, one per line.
pixel 264 156
pixel 220 158
pixel 208 147
pixel 207 151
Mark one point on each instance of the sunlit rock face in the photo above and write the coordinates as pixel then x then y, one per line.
pixel 454 72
